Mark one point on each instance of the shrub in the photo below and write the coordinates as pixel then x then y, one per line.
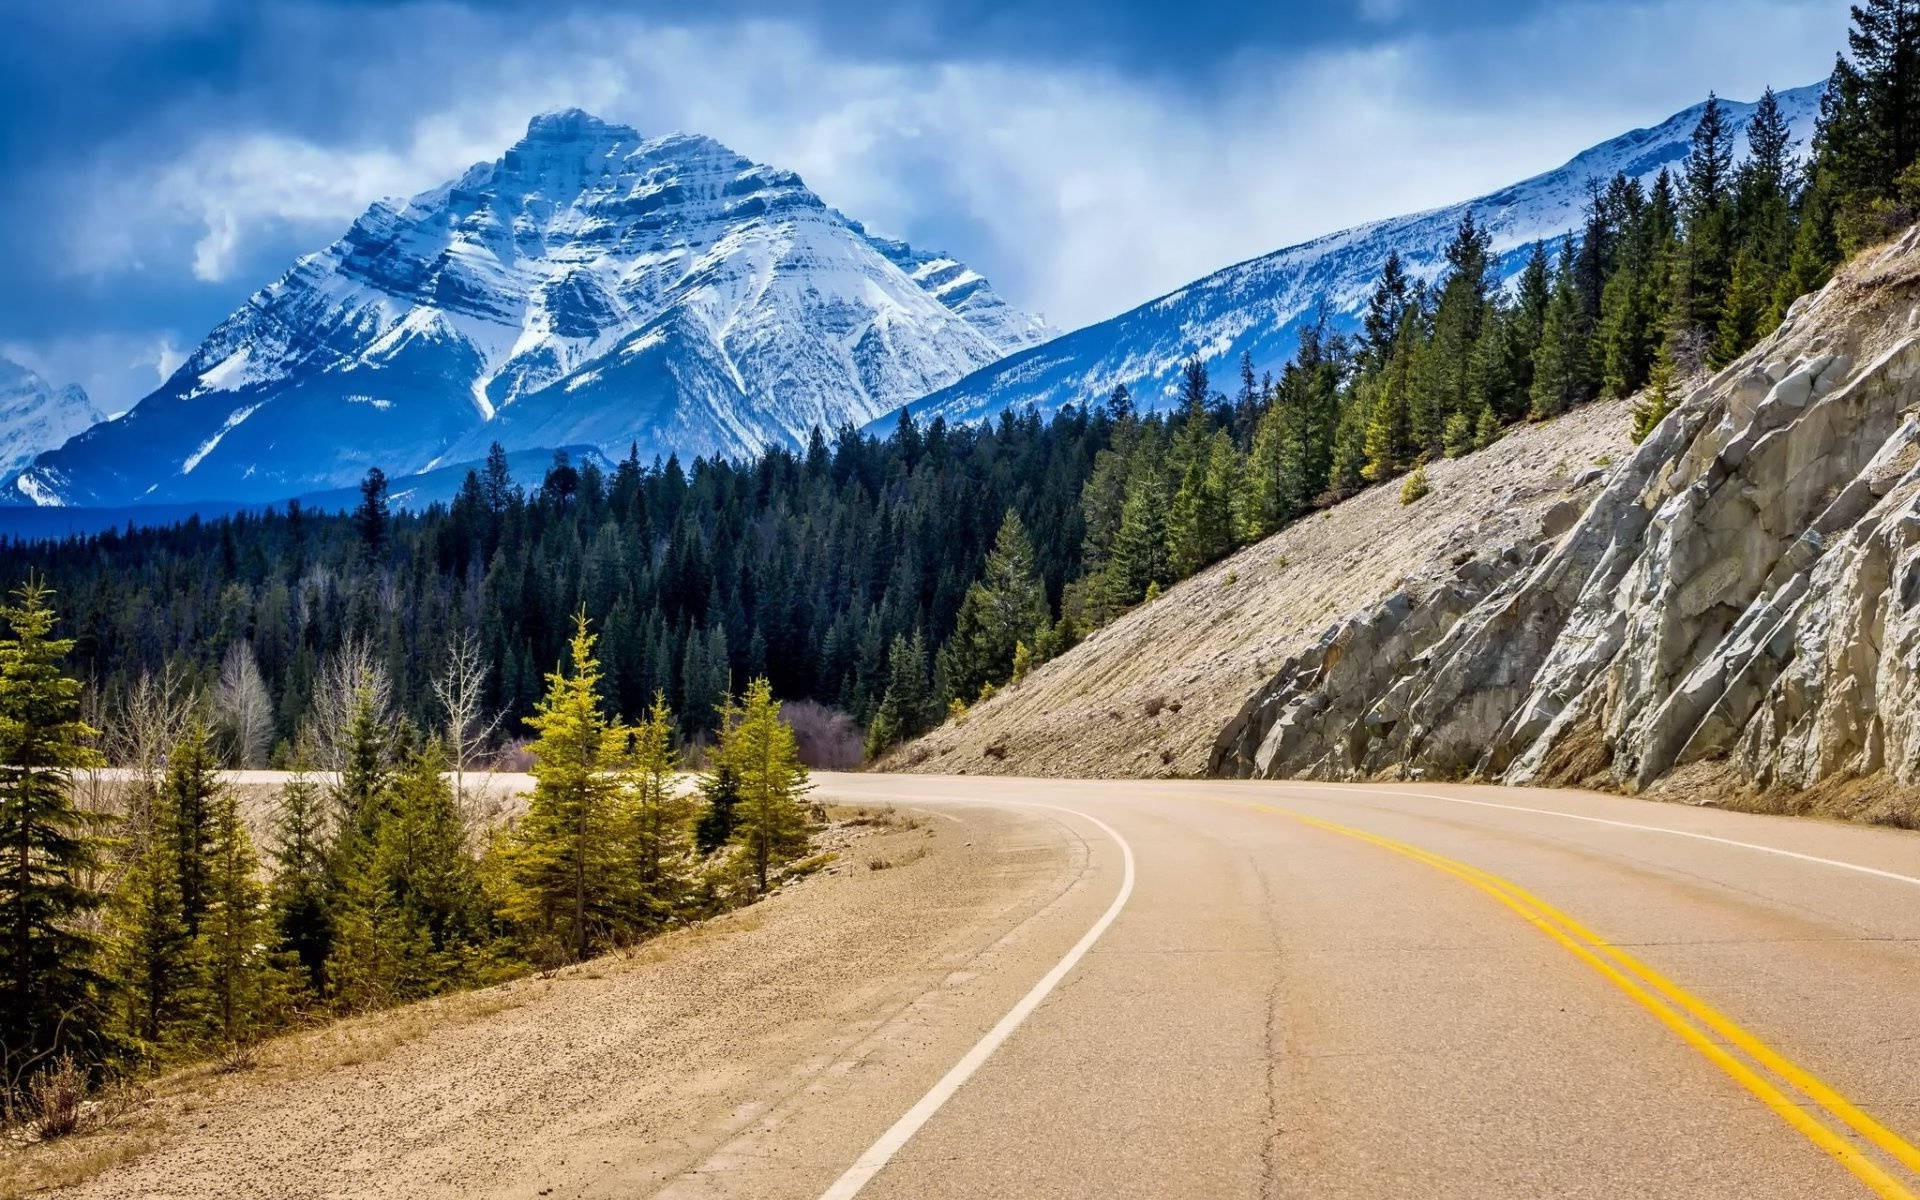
pixel 1415 485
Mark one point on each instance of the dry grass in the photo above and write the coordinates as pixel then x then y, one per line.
pixel 883 863
pixel 40 1168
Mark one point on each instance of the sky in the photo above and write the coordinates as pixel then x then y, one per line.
pixel 162 159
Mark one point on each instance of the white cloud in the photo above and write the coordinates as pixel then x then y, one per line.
pixel 1078 189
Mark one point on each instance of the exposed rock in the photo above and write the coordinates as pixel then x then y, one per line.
pixel 1744 589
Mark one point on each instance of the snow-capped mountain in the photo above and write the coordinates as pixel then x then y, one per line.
pixel 1259 305
pixel 591 287
pixel 35 416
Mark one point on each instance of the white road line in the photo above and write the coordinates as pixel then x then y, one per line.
pixel 881 1152
pixel 1681 833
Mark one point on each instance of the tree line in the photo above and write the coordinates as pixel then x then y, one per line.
pixel 140 926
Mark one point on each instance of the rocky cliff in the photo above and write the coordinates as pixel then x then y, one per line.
pixel 1736 612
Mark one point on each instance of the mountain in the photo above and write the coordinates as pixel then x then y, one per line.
pixel 590 286
pixel 1259 306
pixel 36 416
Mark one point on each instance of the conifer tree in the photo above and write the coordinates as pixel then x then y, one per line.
pixel 1870 118
pixel 1559 365
pixel 661 832
pixel 1707 261
pixel 770 823
pixel 1658 400
pixel 719 795
pixel 247 984
pixel 151 950
pixel 300 881
pixel 49 847
pixel 189 792
pixel 564 861
pixel 1266 505
pixel 1005 605
pixel 1140 547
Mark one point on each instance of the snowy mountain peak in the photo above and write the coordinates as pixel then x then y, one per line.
pixel 35 416
pixel 591 286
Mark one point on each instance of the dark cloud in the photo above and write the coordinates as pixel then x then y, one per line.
pixel 143 142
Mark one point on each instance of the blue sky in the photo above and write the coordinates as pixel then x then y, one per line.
pixel 161 159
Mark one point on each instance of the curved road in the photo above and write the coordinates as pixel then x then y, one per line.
pixel 1307 990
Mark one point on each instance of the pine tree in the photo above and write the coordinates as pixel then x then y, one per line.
pixel 771 825
pixel 661 818
pixel 564 863
pixel 1386 309
pixel 189 791
pixel 1658 400
pixel 372 517
pixel 1006 604
pixel 1200 526
pixel 907 707
pixel 247 984
pixel 1560 364
pixel 1140 547
pixel 301 853
pixel 151 950
pixel 719 795
pixel 1266 504
pixel 1706 263
pixel 49 847
pixel 1874 131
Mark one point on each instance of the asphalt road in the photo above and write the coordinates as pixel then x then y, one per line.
pixel 1302 990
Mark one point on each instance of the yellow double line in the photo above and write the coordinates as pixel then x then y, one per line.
pixel 1689 1017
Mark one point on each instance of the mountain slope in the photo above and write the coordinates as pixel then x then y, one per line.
pixel 1258 306
pixel 589 285
pixel 35 416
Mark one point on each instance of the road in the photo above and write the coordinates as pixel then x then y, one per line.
pixel 1312 991
pixel 1166 989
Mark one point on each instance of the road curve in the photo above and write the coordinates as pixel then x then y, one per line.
pixel 1156 989
pixel 1383 991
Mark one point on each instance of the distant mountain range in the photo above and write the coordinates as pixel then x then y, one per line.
pixel 1258 306
pixel 594 288
pixel 591 286
pixel 35 416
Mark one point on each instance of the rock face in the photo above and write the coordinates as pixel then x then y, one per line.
pixel 1743 590
pixel 591 286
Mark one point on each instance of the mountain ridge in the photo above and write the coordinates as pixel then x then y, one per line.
pixel 1260 304
pixel 589 284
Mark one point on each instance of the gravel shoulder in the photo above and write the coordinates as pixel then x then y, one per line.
pixel 627 1072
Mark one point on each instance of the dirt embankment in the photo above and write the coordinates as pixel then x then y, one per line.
pixel 1149 694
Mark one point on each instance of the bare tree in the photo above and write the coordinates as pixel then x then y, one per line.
pixel 244 709
pixel 351 670
pixel 151 716
pixel 461 689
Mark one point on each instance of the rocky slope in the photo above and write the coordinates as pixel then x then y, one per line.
pixel 1150 694
pixel 36 416
pixel 591 286
pixel 1258 306
pixel 1737 611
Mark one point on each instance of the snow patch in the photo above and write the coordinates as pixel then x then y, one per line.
pixel 233 420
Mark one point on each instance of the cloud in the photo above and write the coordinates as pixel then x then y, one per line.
pixel 1079 182
pixel 113 367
